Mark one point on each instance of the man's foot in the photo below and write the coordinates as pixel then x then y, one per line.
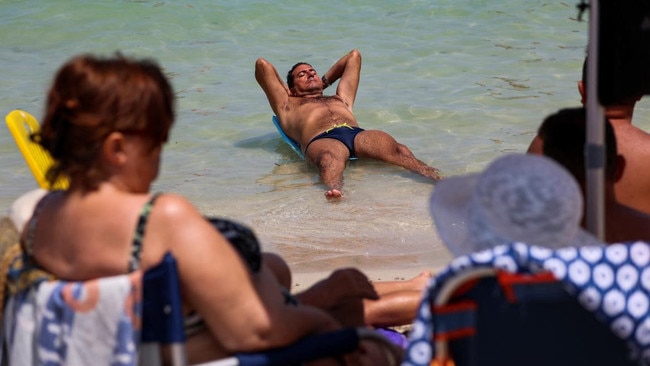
pixel 333 194
pixel 431 172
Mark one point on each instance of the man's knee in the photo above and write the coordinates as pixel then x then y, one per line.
pixel 327 159
pixel 403 150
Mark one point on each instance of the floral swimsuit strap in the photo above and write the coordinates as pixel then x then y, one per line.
pixel 136 249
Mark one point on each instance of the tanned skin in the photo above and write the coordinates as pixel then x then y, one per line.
pixel 304 112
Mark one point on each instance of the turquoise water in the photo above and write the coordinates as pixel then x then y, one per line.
pixel 460 82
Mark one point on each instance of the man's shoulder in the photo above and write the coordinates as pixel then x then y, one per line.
pixel 627 134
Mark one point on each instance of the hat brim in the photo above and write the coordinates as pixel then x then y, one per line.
pixel 584 238
pixel 449 207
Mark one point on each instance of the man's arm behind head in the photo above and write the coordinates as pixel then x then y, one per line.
pixel 268 78
pixel 348 69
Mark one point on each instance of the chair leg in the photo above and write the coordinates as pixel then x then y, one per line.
pixel 178 354
pixel 149 355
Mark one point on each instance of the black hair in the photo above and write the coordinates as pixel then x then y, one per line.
pixel 290 73
pixel 564 136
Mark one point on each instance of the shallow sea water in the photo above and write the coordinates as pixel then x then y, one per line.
pixel 460 82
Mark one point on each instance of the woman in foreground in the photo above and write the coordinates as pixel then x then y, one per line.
pixel 106 121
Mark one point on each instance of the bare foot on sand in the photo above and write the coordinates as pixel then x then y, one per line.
pixel 420 281
pixel 432 173
pixel 333 194
pixel 416 284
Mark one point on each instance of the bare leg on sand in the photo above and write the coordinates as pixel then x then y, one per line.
pixel 398 301
pixel 416 283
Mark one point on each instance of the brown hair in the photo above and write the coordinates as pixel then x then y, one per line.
pixel 92 97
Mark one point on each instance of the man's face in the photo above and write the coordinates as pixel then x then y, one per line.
pixel 306 80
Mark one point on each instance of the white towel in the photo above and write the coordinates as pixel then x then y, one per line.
pixel 94 322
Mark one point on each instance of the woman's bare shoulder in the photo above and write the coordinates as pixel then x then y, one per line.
pixel 172 205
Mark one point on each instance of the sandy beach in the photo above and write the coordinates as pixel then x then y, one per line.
pixel 302 280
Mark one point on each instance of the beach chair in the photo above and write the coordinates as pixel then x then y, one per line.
pixel 127 320
pixel 492 317
pixel 21 125
pixel 98 321
pixel 521 305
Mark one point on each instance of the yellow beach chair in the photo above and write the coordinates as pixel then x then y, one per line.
pixel 21 125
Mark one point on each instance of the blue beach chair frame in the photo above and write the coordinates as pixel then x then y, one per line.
pixel 162 314
pixel 291 142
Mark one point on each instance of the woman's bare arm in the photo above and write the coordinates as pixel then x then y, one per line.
pixel 241 314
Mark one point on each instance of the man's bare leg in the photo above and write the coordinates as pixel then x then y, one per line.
pixel 332 176
pixel 330 157
pixel 402 156
pixel 381 146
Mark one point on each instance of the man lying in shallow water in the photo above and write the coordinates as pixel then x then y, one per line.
pixel 325 126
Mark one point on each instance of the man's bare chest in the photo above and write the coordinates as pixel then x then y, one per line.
pixel 315 102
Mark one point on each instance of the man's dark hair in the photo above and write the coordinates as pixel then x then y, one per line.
pixel 290 73
pixel 564 136
pixel 629 98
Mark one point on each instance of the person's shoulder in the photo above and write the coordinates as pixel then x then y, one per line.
pixel 625 223
pixel 175 219
pixel 627 133
pixel 174 206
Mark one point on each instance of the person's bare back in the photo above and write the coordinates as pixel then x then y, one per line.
pixel 633 189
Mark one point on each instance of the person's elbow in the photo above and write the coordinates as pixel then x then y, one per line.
pixel 259 337
pixel 261 330
pixel 260 63
pixel 261 69
pixel 279 327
